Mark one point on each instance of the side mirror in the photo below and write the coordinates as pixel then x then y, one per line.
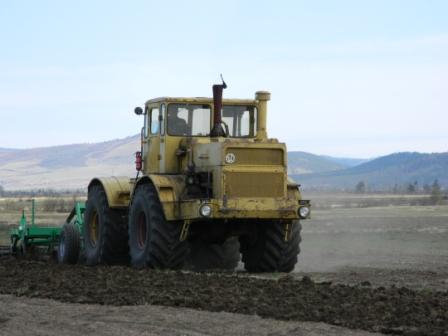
pixel 138 110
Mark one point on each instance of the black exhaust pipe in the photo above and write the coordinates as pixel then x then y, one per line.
pixel 217 129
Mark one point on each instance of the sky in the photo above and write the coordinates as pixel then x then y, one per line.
pixel 348 78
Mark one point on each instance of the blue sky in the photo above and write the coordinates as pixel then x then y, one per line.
pixel 348 78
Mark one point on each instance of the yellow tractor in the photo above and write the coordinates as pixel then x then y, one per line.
pixel 210 187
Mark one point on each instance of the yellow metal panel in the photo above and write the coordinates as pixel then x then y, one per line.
pixel 254 184
pixel 171 160
pixel 250 208
pixel 152 155
pixel 166 195
pixel 117 188
pixel 257 156
pixel 169 189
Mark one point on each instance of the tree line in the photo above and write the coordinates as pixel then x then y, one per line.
pixel 434 190
pixel 42 192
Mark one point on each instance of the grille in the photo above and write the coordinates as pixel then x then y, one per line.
pixel 248 184
pixel 257 156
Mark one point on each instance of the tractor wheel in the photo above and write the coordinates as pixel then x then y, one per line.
pixel 69 245
pixel 269 252
pixel 204 256
pixel 105 230
pixel 153 241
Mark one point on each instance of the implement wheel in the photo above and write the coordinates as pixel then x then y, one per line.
pixel 153 241
pixel 269 252
pixel 69 245
pixel 21 249
pixel 204 256
pixel 105 230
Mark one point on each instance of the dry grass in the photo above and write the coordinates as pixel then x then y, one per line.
pixel 325 200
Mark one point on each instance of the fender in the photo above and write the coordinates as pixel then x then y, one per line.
pixel 117 189
pixel 169 189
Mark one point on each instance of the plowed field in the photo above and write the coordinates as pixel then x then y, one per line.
pixel 379 269
pixel 387 310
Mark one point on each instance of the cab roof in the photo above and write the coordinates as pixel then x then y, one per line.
pixel 199 100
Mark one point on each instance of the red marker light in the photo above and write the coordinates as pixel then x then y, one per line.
pixel 138 161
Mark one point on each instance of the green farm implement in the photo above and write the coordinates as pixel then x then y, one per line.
pixel 66 240
pixel 27 236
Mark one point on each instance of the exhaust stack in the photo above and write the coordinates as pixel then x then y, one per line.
pixel 217 129
pixel 262 97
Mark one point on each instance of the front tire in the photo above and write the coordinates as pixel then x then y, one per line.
pixel 269 252
pixel 105 230
pixel 153 241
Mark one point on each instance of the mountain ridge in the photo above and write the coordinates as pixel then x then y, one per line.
pixel 72 166
pixel 384 173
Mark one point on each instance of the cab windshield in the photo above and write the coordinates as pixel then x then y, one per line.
pixel 189 119
pixel 195 120
pixel 241 120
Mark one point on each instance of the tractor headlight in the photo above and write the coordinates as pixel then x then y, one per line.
pixel 304 212
pixel 205 210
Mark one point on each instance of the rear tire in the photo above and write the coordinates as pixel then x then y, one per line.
pixel 269 252
pixel 105 230
pixel 205 256
pixel 69 245
pixel 153 241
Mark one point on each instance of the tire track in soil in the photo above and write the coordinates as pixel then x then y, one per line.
pixel 390 310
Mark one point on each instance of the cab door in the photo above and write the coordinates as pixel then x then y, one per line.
pixel 152 150
pixel 162 153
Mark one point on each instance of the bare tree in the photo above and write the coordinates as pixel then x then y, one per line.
pixel 361 187
pixel 436 193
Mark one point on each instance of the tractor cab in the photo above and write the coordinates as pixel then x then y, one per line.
pixel 170 121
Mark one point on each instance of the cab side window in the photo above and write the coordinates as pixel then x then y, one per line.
pixel 145 125
pixel 154 123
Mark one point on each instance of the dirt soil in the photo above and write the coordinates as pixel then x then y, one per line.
pixel 24 316
pixel 381 269
pixel 392 310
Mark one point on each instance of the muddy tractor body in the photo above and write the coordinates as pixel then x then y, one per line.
pixel 210 186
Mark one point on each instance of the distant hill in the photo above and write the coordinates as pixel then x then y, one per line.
pixel 307 163
pixel 66 167
pixel 346 162
pixel 384 172
pixel 8 150
pixel 72 166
